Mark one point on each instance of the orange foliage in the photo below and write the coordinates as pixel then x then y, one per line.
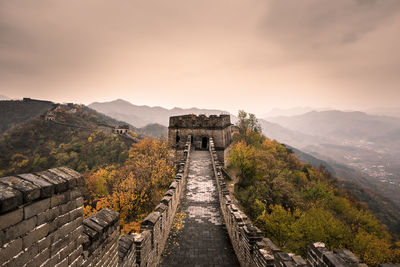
pixel 134 188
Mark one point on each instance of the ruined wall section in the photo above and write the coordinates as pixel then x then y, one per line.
pixel 145 248
pixel 252 249
pixel 41 218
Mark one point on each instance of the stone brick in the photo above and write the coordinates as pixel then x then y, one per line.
pixel 11 218
pixel 74 174
pixel 63 219
pixel 77 262
pixel 44 243
pixel 65 231
pixel 67 207
pixel 71 180
pixel 40 258
pixel 46 188
pixel 74 194
pixel 10 249
pixel 35 235
pixel 78 212
pixel 52 261
pixel 26 255
pixel 36 208
pixel 60 185
pixel 48 215
pixel 63 263
pixel 59 199
pixel 10 198
pixel 75 254
pixel 29 191
pixel 79 202
pixel 20 229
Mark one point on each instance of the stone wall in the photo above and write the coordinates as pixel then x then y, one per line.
pixel 319 255
pixel 253 250
pixel 145 248
pixel 41 219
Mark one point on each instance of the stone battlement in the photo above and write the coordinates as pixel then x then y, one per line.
pixel 192 121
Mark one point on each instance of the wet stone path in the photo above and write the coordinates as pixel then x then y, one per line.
pixel 201 239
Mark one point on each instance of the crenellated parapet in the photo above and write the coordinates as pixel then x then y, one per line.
pixel 41 218
pixel 254 250
pixel 100 238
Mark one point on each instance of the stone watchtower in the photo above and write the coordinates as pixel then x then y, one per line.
pixel 201 128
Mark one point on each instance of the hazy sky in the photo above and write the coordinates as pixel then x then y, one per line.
pixel 226 54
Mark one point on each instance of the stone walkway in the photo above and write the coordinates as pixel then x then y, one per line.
pixel 201 239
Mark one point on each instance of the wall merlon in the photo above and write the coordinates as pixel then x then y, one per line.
pixel 29 191
pixel 46 188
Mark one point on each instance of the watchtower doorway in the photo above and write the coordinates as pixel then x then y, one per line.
pixel 204 143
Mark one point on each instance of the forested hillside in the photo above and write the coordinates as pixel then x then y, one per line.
pixel 75 139
pixel 295 204
pixel 126 175
pixel 14 112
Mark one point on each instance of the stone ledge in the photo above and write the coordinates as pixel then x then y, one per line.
pixel 96 227
pixel 30 187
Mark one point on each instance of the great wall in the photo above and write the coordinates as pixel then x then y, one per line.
pixel 41 221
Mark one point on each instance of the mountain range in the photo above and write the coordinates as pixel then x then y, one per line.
pixel 141 116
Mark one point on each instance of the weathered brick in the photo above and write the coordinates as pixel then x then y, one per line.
pixel 63 219
pixel 10 249
pixel 10 198
pixel 60 185
pixel 35 235
pixel 77 262
pixel 59 199
pixel 74 194
pixel 52 261
pixel 40 258
pixel 48 215
pixel 29 191
pixel 44 243
pixel 78 212
pixel 20 229
pixel 46 188
pixel 67 230
pixel 11 218
pixel 71 180
pixel 75 254
pixel 67 207
pixel 63 263
pixel 36 208
pixel 74 174
pixel 79 202
pixel 26 255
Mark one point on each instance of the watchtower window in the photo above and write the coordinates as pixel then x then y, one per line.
pixel 191 139
pixel 204 142
pixel 177 139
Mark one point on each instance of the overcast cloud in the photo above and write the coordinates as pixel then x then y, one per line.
pixel 228 54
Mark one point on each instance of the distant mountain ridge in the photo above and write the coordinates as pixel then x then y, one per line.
pixel 339 124
pixel 140 116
